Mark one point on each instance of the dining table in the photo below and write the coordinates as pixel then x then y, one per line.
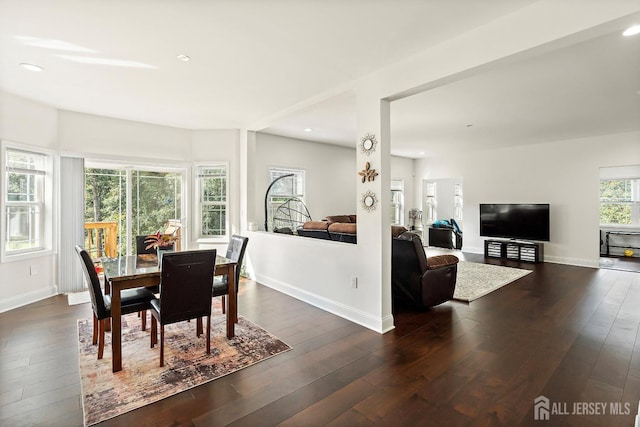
pixel 133 271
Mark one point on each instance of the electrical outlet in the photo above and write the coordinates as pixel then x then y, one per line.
pixel 354 281
pixel 33 269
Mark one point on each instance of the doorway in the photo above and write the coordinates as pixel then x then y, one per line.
pixel 620 218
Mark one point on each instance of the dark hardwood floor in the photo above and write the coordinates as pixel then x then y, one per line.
pixel 568 333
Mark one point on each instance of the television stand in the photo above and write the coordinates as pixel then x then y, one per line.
pixel 519 251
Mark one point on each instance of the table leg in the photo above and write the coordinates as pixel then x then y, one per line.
pixel 116 327
pixel 232 302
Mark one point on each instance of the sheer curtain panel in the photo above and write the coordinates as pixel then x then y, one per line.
pixel 71 224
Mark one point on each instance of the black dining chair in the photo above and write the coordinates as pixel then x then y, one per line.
pixel 132 300
pixel 235 252
pixel 185 292
pixel 141 246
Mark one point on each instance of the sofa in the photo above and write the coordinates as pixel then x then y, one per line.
pixel 417 280
pixel 339 228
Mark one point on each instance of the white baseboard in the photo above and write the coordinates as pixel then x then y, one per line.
pixel 27 298
pixel 380 325
pixel 578 262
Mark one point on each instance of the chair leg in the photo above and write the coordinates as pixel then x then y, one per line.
pixel 161 345
pixel 95 330
pixel 224 304
pixel 198 326
pixel 209 334
pixel 154 331
pixel 101 328
pixel 143 315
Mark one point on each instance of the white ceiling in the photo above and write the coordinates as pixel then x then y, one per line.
pixel 253 61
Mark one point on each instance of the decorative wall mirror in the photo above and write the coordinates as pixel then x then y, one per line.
pixel 368 144
pixel 369 201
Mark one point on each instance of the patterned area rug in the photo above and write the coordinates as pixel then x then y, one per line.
pixel 477 280
pixel 142 381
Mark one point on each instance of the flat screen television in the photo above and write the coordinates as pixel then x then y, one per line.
pixel 521 221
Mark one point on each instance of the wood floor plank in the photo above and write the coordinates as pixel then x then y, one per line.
pixel 569 333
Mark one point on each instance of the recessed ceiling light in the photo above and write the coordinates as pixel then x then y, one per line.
pixel 307 130
pixel 183 57
pixel 632 31
pixel 421 153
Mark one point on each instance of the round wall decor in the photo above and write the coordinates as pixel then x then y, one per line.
pixel 368 144
pixel 369 201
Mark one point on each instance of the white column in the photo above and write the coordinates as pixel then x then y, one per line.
pixel 374 224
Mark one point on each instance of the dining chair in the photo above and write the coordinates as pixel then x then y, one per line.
pixel 185 292
pixel 235 252
pixel 141 246
pixel 132 300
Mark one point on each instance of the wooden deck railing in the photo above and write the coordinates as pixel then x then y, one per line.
pixel 101 239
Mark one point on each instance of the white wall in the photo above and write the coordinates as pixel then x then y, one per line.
pixel 223 146
pixel 562 173
pixel 95 137
pixel 27 122
pixel 318 271
pixel 330 174
pixel 114 138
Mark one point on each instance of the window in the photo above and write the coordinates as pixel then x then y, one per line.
pixel 430 204
pixel 620 201
pixel 27 198
pixel 457 202
pixel 128 201
pixel 397 202
pixel 286 208
pixel 212 190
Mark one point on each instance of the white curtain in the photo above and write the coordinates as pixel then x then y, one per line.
pixel 70 278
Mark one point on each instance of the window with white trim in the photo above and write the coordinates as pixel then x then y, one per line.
pixel 286 208
pixel 27 199
pixel 212 210
pixel 397 202
pixel 620 201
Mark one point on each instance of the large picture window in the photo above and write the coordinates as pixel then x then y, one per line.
pixel 27 218
pixel 131 202
pixel 212 218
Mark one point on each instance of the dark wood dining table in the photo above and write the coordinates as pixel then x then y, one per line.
pixel 133 271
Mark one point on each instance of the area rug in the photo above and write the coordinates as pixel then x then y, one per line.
pixel 75 298
pixel 477 280
pixel 142 381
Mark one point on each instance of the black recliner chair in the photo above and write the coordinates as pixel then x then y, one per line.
pixel 416 279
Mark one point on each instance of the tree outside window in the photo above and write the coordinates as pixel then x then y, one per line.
pixel 26 173
pixel 213 202
pixel 156 198
pixel 619 201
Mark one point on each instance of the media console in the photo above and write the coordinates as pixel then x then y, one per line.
pixel 519 251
